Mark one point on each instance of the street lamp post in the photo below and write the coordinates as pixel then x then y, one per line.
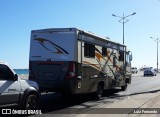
pixel 157 40
pixel 123 20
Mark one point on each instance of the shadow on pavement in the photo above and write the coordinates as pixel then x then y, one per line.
pixel 54 102
pixel 153 91
pixel 114 95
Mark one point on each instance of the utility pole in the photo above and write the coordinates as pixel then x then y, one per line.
pixel 157 40
pixel 123 20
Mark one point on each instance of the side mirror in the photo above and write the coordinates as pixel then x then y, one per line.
pixel 130 57
pixel 15 77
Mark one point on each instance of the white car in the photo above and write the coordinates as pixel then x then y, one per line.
pixel 13 90
pixel 134 70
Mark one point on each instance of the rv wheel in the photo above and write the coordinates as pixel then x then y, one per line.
pixel 99 92
pixel 123 88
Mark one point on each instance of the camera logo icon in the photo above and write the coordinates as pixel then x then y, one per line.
pixel 6 111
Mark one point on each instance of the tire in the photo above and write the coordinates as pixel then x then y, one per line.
pixel 31 102
pixel 124 88
pixel 99 92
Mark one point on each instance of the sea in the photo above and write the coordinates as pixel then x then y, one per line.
pixel 22 71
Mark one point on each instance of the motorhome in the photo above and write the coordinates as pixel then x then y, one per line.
pixel 70 60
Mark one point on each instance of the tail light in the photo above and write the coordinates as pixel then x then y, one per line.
pixel 71 70
pixel 31 76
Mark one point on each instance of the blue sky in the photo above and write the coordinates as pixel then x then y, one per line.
pixel 18 18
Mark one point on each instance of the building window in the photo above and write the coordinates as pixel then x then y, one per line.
pixel 89 50
pixel 104 51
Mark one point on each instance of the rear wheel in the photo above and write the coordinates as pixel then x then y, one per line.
pixel 99 91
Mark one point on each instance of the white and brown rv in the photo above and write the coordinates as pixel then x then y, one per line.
pixel 69 60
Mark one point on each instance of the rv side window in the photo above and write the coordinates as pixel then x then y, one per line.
pixel 89 50
pixel 127 58
pixel 86 50
pixel 121 55
pixel 104 51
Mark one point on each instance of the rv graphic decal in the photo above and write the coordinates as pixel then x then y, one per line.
pixel 100 66
pixel 99 56
pixel 92 65
pixel 51 46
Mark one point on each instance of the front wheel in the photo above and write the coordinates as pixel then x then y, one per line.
pixel 123 88
pixel 31 102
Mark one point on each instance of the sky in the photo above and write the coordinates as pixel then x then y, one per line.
pixel 18 18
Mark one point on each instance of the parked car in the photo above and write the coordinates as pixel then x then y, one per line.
pixel 14 90
pixel 150 72
pixel 155 69
pixel 134 70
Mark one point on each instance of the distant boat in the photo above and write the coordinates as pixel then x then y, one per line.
pixel 21 71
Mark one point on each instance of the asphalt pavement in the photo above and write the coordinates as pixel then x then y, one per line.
pixel 140 104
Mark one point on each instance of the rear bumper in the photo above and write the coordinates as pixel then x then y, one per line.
pixel 57 86
pixel 149 74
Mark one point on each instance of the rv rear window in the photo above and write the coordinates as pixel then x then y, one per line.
pixel 89 50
